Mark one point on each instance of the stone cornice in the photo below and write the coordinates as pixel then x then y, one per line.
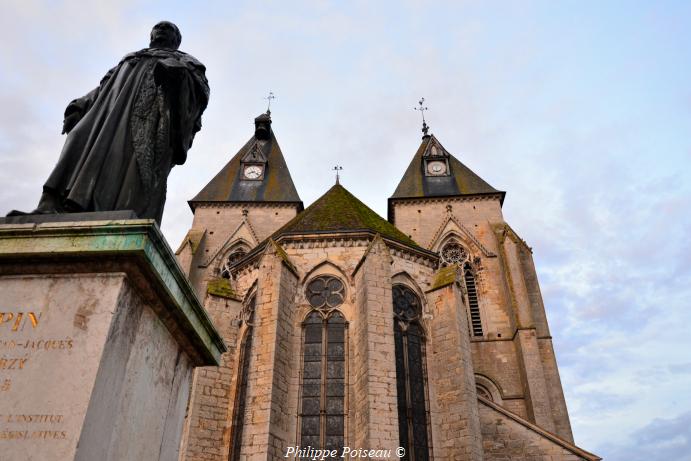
pixel 195 205
pixel 340 240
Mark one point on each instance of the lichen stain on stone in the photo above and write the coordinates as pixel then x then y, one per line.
pixel 83 315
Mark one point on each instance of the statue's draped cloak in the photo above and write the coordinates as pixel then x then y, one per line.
pixel 135 126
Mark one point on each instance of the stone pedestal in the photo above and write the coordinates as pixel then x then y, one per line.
pixel 99 334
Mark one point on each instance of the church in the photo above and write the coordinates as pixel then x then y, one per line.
pixel 422 336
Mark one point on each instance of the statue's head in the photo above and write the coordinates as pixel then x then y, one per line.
pixel 165 34
pixel 262 126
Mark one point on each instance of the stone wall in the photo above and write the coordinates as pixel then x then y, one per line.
pixel 451 381
pixel 209 413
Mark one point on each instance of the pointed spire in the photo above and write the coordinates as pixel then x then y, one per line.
pixel 434 172
pixel 257 173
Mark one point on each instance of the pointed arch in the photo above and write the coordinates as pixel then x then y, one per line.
pixel 326 267
pixel 323 384
pixel 404 278
pixel 245 357
pixel 411 379
pixel 231 255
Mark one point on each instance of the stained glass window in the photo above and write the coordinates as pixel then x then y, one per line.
pixel 322 416
pixel 241 388
pixel 410 376
pixel 325 292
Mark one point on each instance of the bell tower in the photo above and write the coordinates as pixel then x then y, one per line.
pixel 447 208
pixel 251 197
pixel 248 200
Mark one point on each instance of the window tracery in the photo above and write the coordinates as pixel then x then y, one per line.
pixel 236 255
pixel 453 253
pixel 325 292
pixel 322 415
pixel 410 374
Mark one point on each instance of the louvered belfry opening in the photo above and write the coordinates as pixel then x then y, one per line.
pixel 241 387
pixel 322 415
pixel 409 345
pixel 475 319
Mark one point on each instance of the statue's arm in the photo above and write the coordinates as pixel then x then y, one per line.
pixel 77 108
pixel 190 94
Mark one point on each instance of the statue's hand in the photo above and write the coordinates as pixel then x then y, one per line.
pixel 70 121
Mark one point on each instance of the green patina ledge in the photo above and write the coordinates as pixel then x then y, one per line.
pixel 221 287
pixel 138 238
pixel 445 276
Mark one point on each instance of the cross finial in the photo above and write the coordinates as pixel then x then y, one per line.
pixel 337 168
pixel 269 98
pixel 422 110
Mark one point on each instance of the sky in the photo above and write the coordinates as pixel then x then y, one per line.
pixel 580 110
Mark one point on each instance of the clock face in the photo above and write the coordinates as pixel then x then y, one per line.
pixel 436 168
pixel 253 172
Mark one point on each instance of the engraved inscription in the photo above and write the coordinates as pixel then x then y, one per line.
pixel 16 355
pixel 22 433
pixel 16 321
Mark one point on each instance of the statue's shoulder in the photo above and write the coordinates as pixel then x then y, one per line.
pixel 187 60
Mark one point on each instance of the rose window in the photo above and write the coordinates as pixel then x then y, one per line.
pixel 234 257
pixel 325 292
pixel 453 253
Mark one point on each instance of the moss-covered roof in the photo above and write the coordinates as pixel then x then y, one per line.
pixel 229 185
pixel 461 180
pixel 337 211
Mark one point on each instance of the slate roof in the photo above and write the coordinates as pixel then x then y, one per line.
pixel 461 181
pixel 340 211
pixel 228 185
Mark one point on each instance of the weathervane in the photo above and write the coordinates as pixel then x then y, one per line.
pixel 337 168
pixel 422 110
pixel 269 98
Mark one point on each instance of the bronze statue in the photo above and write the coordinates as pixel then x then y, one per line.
pixel 124 137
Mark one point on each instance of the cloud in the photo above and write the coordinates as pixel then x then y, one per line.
pixel 662 438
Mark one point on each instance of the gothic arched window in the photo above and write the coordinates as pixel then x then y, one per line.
pixel 409 345
pixel 322 413
pixel 241 385
pixel 235 255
